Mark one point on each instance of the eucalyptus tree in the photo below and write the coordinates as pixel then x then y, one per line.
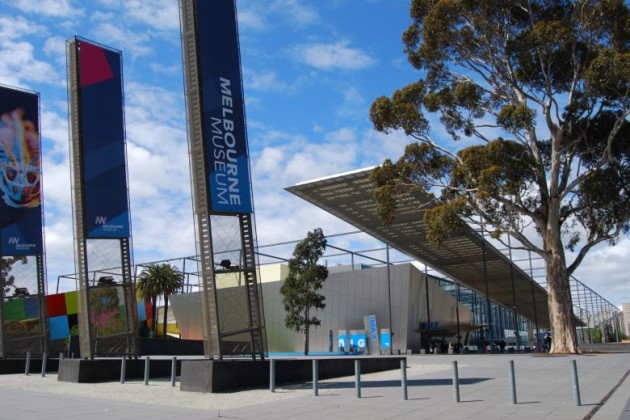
pixel 536 93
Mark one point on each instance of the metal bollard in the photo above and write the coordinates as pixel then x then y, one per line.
pixel 403 378
pixel 512 382
pixel 272 375
pixel 146 370
pixel 455 381
pixel 27 366
pixel 357 377
pixel 173 371
pixel 60 355
pixel 44 359
pixel 315 379
pixel 123 369
pixel 576 383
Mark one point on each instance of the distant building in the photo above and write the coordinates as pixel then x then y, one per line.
pixel 625 319
pixel 353 292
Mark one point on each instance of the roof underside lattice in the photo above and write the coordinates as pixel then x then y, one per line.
pixel 461 257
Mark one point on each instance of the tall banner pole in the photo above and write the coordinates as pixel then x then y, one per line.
pixel 209 310
pixel 21 221
pixel 219 159
pixel 100 196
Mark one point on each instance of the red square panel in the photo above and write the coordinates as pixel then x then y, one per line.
pixel 55 305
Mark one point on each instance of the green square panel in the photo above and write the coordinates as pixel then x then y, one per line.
pixel 72 303
pixel 14 310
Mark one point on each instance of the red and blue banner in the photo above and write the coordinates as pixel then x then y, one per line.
pixel 225 135
pixel 101 119
pixel 20 164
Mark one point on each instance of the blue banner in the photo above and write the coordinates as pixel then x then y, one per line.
pixel 20 163
pixel 386 339
pixel 103 142
pixel 225 135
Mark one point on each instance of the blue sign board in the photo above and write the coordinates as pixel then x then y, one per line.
pixel 102 131
pixel 358 340
pixel 369 323
pixel 386 339
pixel 342 341
pixel 225 135
pixel 20 180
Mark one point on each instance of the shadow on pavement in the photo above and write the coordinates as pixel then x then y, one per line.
pixel 410 382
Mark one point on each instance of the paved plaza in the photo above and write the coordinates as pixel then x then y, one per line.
pixel 543 391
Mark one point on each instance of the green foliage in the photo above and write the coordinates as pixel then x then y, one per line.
pixel 540 90
pixel 595 335
pixel 158 280
pixel 6 264
pixel 73 331
pixel 306 277
pixel 563 64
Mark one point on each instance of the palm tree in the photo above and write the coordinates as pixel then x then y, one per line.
pixel 159 280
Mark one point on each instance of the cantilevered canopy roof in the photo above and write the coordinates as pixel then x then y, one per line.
pixel 350 196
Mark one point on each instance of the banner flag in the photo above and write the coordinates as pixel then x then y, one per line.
pixel 102 131
pixel 20 163
pixel 225 135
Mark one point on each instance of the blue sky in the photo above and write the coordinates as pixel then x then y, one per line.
pixel 311 70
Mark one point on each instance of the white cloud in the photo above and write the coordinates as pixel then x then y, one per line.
pixel 297 11
pixel 377 146
pixel 55 47
pixel 56 8
pixel 19 65
pixel 261 14
pixel 248 18
pixel 336 56
pixel 265 81
pixel 604 270
pixel 158 14
pixel 171 70
pixel 344 134
pixel 124 38
pixel 12 28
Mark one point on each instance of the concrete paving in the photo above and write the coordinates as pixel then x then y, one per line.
pixel 543 391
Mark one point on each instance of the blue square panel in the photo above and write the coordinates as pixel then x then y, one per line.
pixel 58 327
pixel 31 307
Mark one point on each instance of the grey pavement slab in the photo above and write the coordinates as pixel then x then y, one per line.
pixel 543 388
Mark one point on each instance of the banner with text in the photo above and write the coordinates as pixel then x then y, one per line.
pixel 369 322
pixel 106 197
pixel 20 162
pixel 225 134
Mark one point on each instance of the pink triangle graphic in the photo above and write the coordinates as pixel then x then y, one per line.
pixel 93 64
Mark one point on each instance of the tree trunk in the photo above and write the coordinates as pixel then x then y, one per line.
pixel 563 337
pixel 165 314
pixel 154 317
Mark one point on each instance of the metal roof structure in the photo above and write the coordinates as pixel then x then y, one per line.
pixel 465 257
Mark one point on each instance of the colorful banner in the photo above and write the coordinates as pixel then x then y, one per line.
pixel 20 163
pixel 102 141
pixel 225 135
